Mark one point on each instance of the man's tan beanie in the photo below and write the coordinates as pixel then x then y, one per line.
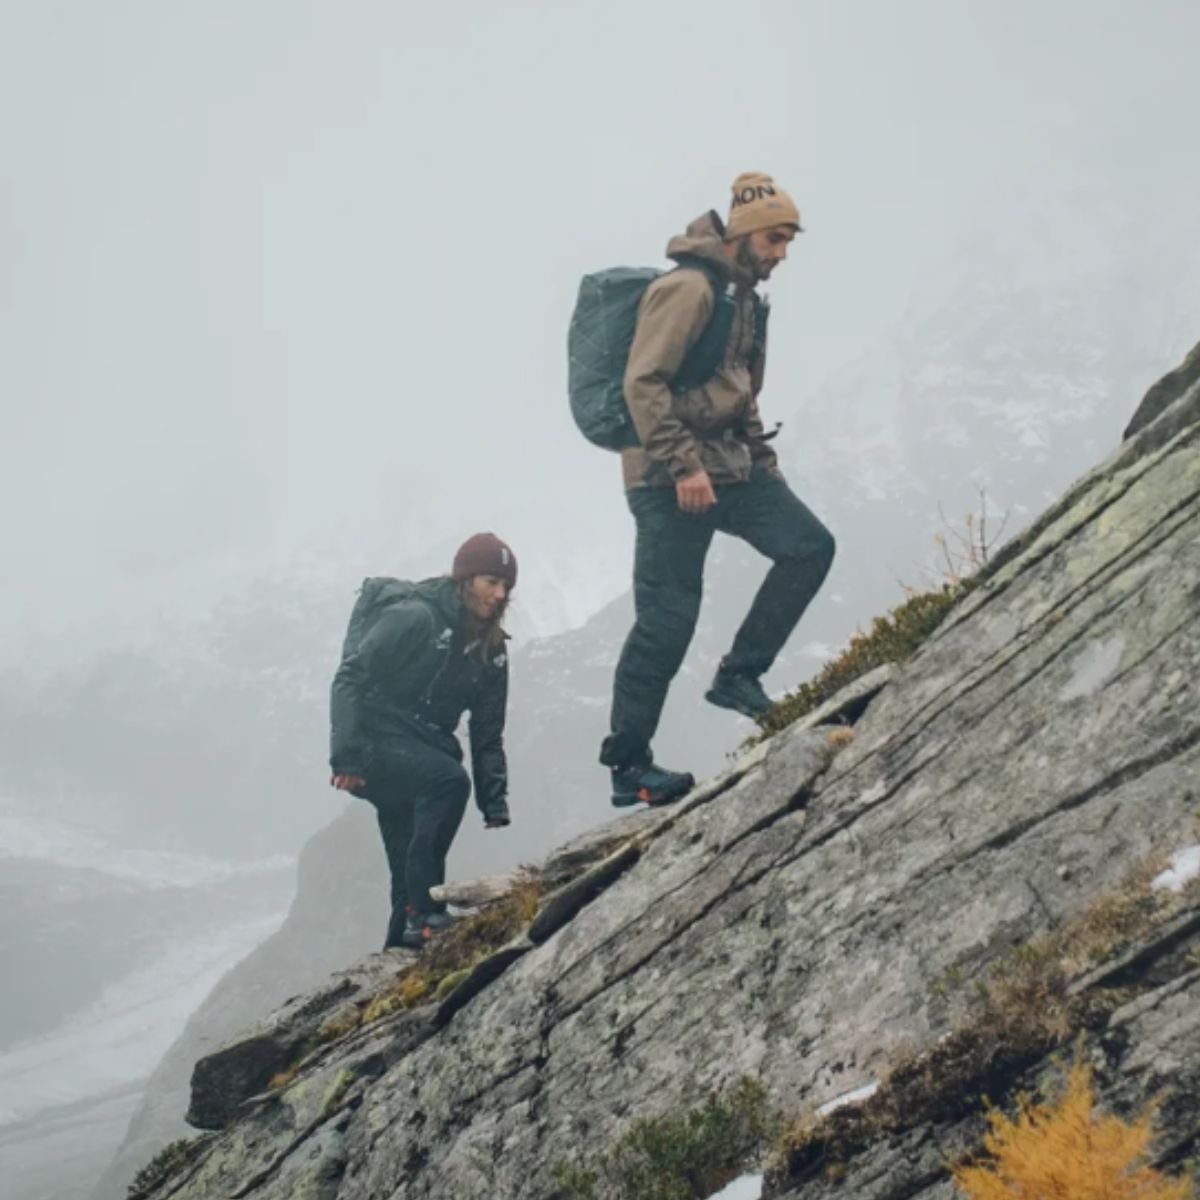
pixel 759 204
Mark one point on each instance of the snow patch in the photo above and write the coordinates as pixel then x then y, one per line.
pixel 1094 667
pixel 1185 866
pixel 875 792
pixel 748 1187
pixel 855 1097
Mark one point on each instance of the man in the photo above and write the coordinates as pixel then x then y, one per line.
pixel 705 464
pixel 432 651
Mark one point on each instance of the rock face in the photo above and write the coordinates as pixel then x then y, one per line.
pixel 790 920
pixel 1166 391
pixel 1147 1046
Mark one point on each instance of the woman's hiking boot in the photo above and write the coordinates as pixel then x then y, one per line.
pixel 421 927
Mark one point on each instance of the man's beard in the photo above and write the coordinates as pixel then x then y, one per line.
pixel 749 261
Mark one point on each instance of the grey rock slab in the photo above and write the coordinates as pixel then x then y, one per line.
pixel 791 926
pixel 223 1080
pixel 1150 1050
pixel 289 1127
pixel 1136 458
pixel 480 976
pixel 499 1048
pixel 804 949
pixel 579 853
pixel 561 906
pixel 479 893
pixel 1166 392
pixel 852 697
pixel 635 834
pixel 600 843
pixel 1139 957
pixel 1137 559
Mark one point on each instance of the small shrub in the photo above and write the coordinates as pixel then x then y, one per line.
pixel 686 1156
pixel 452 954
pixel 338 1027
pixel 282 1078
pixel 171 1159
pixel 1067 1151
pixel 967 551
pixel 892 639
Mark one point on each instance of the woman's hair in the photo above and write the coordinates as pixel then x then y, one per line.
pixel 489 634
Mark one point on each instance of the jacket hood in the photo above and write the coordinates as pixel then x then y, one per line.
pixel 704 239
pixel 441 593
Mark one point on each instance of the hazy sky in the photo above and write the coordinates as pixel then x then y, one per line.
pixel 285 275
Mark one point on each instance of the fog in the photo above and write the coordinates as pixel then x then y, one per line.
pixel 282 281
pixel 284 303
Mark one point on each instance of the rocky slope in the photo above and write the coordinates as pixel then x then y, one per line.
pixel 792 919
pixel 995 376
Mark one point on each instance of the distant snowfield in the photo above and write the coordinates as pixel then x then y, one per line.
pixel 121 1037
pixel 24 834
pixel 66 1096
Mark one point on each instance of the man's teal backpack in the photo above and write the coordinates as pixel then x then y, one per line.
pixel 601 333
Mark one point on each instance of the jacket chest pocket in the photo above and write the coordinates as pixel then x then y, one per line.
pixel 741 337
pixel 696 408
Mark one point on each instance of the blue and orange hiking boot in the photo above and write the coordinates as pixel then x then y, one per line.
pixel 420 928
pixel 742 693
pixel 650 784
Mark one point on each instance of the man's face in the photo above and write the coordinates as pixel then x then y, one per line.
pixel 485 596
pixel 763 250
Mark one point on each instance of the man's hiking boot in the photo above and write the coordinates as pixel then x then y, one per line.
pixel 742 693
pixel 652 785
pixel 421 927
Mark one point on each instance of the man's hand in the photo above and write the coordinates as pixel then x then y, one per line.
pixel 695 492
pixel 348 783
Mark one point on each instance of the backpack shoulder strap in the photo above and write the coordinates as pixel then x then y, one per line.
pixel 705 357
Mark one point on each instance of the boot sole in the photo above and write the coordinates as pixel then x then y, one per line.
pixel 721 701
pixel 624 800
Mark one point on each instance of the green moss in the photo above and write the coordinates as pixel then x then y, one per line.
pixel 893 638
pixel 336 1092
pixel 679 1156
pixel 449 982
pixel 170 1160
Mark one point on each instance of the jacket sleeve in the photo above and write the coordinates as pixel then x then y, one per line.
pixel 673 314
pixel 388 646
pixel 489 763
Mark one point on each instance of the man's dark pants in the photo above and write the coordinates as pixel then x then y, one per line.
pixel 420 794
pixel 668 582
